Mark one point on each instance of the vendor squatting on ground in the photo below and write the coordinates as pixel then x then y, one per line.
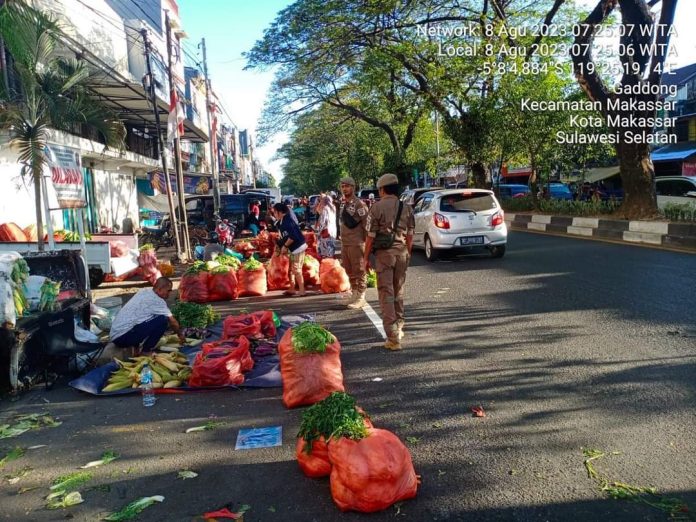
pixel 145 318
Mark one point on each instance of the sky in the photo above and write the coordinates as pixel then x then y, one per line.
pixel 231 27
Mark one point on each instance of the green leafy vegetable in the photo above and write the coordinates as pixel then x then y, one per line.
pixel 107 456
pixel 186 474
pixel 70 499
pixel 230 261
pixel 146 247
pixel 334 417
pixel 48 301
pixel 210 425
pixel 24 423
pixel 371 279
pixel 70 481
pixel 196 267
pixel 222 269
pixel 309 337
pixel 12 455
pixel 252 264
pixel 676 507
pixel 133 509
pixel 192 315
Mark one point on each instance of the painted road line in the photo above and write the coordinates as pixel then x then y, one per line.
pixel 372 316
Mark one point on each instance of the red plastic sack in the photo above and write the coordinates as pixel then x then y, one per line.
pixel 246 247
pixel 221 363
pixel 279 273
pixel 194 287
pixel 222 286
pixel 371 474
pixel 150 273
pixel 252 282
pixel 310 271
pixel 309 377
pixel 147 258
pixel 248 325
pixel 11 232
pixel 31 233
pixel 267 321
pixel 332 277
pixel 118 249
pixel 316 463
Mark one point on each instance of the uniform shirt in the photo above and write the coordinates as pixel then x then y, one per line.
pixel 358 211
pixel 381 219
pixel 142 307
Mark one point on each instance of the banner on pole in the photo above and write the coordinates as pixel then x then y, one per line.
pixel 67 184
pixel 192 184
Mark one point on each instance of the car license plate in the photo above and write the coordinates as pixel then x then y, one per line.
pixel 472 240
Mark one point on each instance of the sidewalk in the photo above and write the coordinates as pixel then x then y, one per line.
pixel 656 234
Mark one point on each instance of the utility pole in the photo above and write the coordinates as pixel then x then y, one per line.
pixel 160 141
pixel 213 144
pixel 177 148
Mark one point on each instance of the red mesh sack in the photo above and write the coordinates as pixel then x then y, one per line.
pixel 221 363
pixel 267 320
pixel 118 249
pixel 12 232
pixel 194 287
pixel 334 280
pixel 222 285
pixel 278 272
pixel 252 282
pixel 147 258
pixel 326 265
pixel 30 233
pixel 371 474
pixel 246 247
pixel 309 377
pixel 310 271
pixel 150 273
pixel 310 239
pixel 247 325
pixel 316 463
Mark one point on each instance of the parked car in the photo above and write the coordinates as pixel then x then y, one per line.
pixel 675 189
pixel 233 207
pixel 459 220
pixel 511 190
pixel 364 194
pixel 559 191
pixel 413 196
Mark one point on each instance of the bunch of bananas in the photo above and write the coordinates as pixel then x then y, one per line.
pixel 169 370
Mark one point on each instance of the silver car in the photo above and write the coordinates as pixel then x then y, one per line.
pixel 459 220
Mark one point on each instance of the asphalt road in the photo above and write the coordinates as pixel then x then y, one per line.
pixel 567 344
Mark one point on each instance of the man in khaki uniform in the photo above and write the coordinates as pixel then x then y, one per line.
pixel 353 218
pixel 391 262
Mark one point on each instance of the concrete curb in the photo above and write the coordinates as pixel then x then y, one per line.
pixel 678 236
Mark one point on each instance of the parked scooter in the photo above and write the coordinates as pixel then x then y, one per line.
pixel 225 231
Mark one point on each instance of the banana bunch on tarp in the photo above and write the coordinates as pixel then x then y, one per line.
pixel 169 370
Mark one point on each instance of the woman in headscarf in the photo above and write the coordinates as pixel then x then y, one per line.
pixel 326 227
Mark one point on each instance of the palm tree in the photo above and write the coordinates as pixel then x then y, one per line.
pixel 51 94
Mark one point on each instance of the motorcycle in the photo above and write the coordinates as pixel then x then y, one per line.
pixel 225 232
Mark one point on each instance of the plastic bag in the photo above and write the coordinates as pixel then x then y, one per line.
pixel 310 271
pixel 309 377
pixel 248 325
pixel 221 363
pixel 267 320
pixel 316 463
pixel 194 287
pixel 252 282
pixel 278 271
pixel 333 277
pixel 222 286
pixel 371 474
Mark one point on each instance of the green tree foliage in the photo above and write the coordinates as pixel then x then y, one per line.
pixel 52 94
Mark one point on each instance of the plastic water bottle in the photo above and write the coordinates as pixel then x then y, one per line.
pixel 149 398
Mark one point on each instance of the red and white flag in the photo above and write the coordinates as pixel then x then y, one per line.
pixel 175 121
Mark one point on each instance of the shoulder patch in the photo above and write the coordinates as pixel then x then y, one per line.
pixel 362 211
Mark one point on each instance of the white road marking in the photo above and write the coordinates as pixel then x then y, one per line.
pixel 372 316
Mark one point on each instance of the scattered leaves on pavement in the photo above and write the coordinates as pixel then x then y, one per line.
pixel 70 499
pixel 12 455
pixel 133 509
pixel 24 423
pixel 107 456
pixel 186 474
pixel 413 440
pixel 15 477
pixel 210 425
pixel 676 507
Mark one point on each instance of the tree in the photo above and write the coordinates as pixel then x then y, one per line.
pixel 51 94
pixel 644 45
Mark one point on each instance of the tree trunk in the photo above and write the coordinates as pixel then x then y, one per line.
pixel 637 177
pixel 478 174
pixel 37 172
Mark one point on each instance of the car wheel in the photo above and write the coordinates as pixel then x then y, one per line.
pixel 497 251
pixel 430 253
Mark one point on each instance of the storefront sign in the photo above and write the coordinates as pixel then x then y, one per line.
pixel 688 169
pixel 66 177
pixel 192 184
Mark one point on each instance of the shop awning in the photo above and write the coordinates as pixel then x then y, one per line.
pixel 598 174
pixel 675 152
pixel 158 203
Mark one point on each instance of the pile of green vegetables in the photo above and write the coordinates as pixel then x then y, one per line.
pixel 146 247
pixel 196 267
pixel 309 337
pixel 48 301
pixel 252 264
pixel 192 315
pixel 334 417
pixel 230 261
pixel 19 276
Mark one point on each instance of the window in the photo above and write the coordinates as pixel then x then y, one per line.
pixel 192 204
pixel 476 201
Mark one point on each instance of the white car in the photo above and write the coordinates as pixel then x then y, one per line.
pixel 459 220
pixel 675 189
